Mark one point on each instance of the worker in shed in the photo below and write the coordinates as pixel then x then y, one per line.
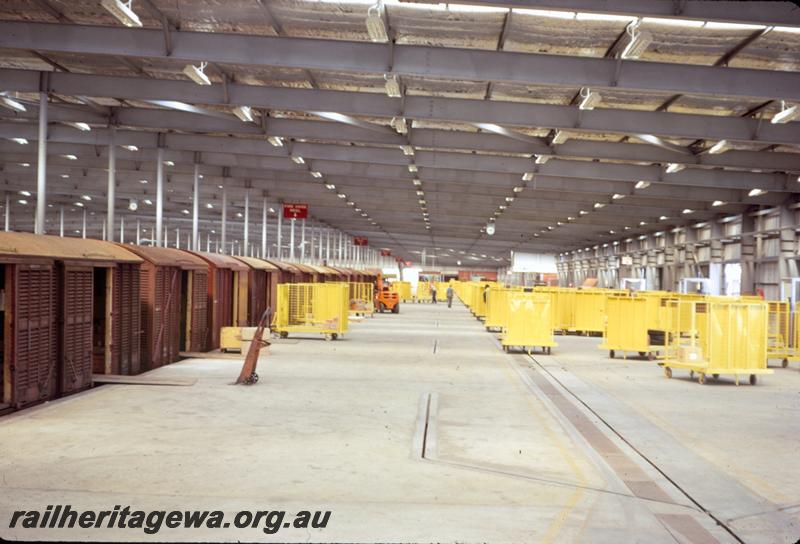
pixel 433 292
pixel 449 296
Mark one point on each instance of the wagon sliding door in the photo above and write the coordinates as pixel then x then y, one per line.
pixel 30 352
pixel 125 310
pixel 77 297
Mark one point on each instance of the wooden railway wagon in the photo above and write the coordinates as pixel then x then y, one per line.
pixel 258 289
pixel 226 279
pixel 286 273
pixel 174 302
pixel 69 307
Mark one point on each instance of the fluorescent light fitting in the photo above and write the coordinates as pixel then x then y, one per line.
pixel 143 181
pixel 133 205
pixel 518 189
pixel 148 201
pixel 786 114
pixel 70 157
pixel 663 218
pixel 315 174
pixel 756 192
pixel 20 141
pixel 416 182
pixel 25 193
pixel 341 195
pixel 642 185
pixel 169 163
pixel 542 159
pixel 673 167
pixel 642 223
pixel 617 196
pixel 599 205
pixel 83 127
pixel 27 165
pixel 527 176
pixel 11 104
pixel 412 168
pixel 400 125
pixel 86 198
pixel 375 26
pixel 637 42
pixel 718 203
pixel 589 99
pixel 392 85
pixel 276 141
pixel 78 204
pixel 210 206
pixel 509 199
pixel 65 176
pixel 407 150
pixel 298 159
pixel 130 147
pixel 720 147
pixel 583 212
pixel 245 113
pixel 197 73
pixel 559 137
pixel 687 211
pixel 122 11
pixel 22 201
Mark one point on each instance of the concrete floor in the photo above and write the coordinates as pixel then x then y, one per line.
pixel 510 454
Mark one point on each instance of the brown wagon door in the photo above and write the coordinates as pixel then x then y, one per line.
pixel 199 337
pixel 75 360
pixel 33 352
pixel 166 325
pixel 126 320
pixel 258 296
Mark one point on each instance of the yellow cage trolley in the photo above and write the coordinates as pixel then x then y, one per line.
pixel 312 308
pixel 530 322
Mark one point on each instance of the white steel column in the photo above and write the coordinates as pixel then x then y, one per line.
pixel 264 230
pixel 177 237
pixel 246 224
pixel 61 221
pixel 104 228
pixel 138 232
pixel 303 241
pixel 291 240
pixel 159 196
pixel 224 226
pixel 112 180
pixel 121 229
pixel 41 172
pixel 196 209
pixel 8 211
pixel 280 235
pixel 83 228
pixel 328 245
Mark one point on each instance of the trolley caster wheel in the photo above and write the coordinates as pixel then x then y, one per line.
pixel 715 376
pixel 505 348
pixel 691 374
pixel 702 379
pixel 642 354
pixel 667 372
pixel 328 337
pixel 651 356
pixel 611 354
pixel 283 334
pixel 548 350
pixel 335 336
pixel 253 377
pixel 785 363
pixel 753 379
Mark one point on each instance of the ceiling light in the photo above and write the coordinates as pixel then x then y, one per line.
pixel 407 150
pixel 197 73
pixel 617 196
pixel 756 192
pixel 357 210
pixel 148 201
pixel 133 205
pixel 351 203
pixel 589 99
pixel 490 229
pixel 20 141
pixel 25 193
pixel 315 174
pixel 416 182
pixel 375 27
pixel 583 212
pixel 400 125
pixel 518 189
pixel 509 199
pixel 341 195
pixel 642 185
pixel 364 215
pixel 86 197
pixel 22 201
pixel 65 176
pixel 527 176
pixel 642 223
pixel 718 203
pixel 27 164
pixel 84 127
pixel 786 114
pixel 502 207
pixel 599 205
pixel 542 159
pixel 422 201
pixel 169 163
pixel 550 227
pixel 122 11
pixel 245 113
pixel 70 157
pixel 276 141
pixel 392 85
pixel 720 147
pixel 637 42
pixel 663 218
pixel 559 223
pixel 330 186
pixel 210 206
pixel 11 104
pixel 130 147
pixel 673 167
pixel 143 181
pixel 298 159
pixel 79 204
pixel 559 137
pixel 412 168
pixel 687 211
pixel 611 232
pixel 570 218
pixel 420 193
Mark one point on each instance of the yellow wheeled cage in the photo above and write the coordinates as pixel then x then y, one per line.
pixel 497 307
pixel 424 292
pixel 403 290
pixel 590 309
pixel 362 298
pixel 530 322
pixel 721 336
pixel 635 324
pixel 312 308
pixel 563 306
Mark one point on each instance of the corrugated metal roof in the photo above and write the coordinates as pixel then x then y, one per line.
pixel 218 260
pixel 25 244
pixel 258 264
pixel 284 266
pixel 167 256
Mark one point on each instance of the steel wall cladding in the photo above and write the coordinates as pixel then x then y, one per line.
pixel 32 352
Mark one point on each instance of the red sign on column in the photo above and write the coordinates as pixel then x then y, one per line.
pixel 359 240
pixel 293 210
pixel 386 253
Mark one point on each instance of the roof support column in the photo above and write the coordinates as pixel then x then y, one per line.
pixel 787 263
pixel 224 225
pixel 8 212
pixel 41 167
pixel 291 240
pixel 121 229
pixel 83 228
pixel 748 255
pixel 159 235
pixel 246 224
pixel 341 248
pixel 61 221
pixel 279 251
pixel 112 179
pixel 328 246
pixel 303 241
pixel 196 209
pixel 264 229
pixel 177 237
pixel 138 232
